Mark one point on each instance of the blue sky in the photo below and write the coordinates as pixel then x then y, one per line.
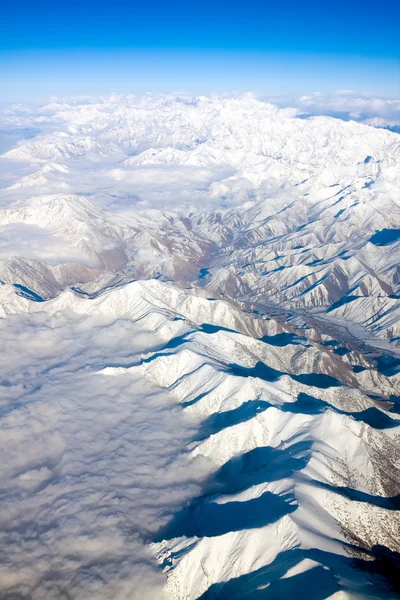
pixel 90 47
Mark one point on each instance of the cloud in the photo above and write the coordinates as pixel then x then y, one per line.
pixel 93 177
pixel 32 241
pixel 169 186
pixel 91 465
pixel 348 104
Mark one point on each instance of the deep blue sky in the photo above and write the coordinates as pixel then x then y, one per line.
pixel 90 47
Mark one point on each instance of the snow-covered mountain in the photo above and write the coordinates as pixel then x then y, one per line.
pixel 304 212
pixel 199 305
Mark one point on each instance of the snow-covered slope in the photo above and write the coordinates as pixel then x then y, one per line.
pixel 304 212
pixel 199 304
pixel 286 467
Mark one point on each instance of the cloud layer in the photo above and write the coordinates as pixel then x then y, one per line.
pixel 92 465
pixel 372 110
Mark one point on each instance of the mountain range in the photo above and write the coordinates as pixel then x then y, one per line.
pixel 200 311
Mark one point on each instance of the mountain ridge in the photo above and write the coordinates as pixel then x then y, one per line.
pixel 199 305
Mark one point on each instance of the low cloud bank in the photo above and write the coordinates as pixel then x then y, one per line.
pixel 21 121
pixel 32 241
pixel 92 465
pixel 345 104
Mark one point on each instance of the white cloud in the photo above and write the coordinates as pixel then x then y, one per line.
pixel 355 106
pixel 91 466
pixel 32 241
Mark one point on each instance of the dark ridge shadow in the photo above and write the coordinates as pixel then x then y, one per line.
pixel 317 583
pixel 341 351
pixel 375 418
pixel 281 268
pixel 309 405
pixel 305 404
pixel 204 327
pixel 384 237
pixel 244 585
pixel 279 340
pixel 266 373
pixel 387 565
pixel 208 328
pixel 176 554
pixel 388 365
pixel 78 290
pixel 319 380
pixel 267 583
pixel 196 399
pixel 203 272
pixel 114 286
pixel 379 576
pixel 342 302
pixel 376 578
pixel 260 370
pixel 177 341
pixel 389 503
pixel 300 278
pixel 209 519
pixel 340 212
pixel 313 286
pixel 25 292
pixel 155 356
pixel 261 465
pixel 284 339
pixel 221 420
pixel 396 404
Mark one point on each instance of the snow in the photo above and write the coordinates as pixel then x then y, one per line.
pixel 187 288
